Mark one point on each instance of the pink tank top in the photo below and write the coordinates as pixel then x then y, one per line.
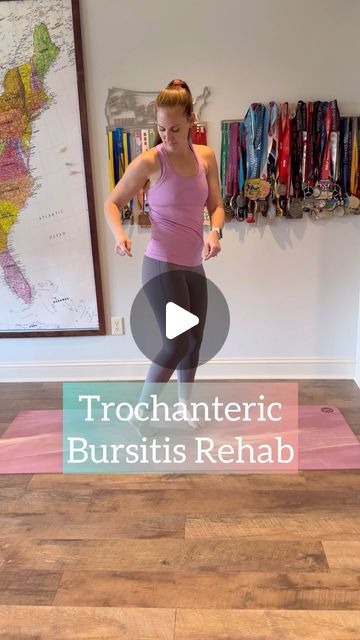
pixel 177 213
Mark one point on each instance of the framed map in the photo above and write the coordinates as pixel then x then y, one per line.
pixel 49 262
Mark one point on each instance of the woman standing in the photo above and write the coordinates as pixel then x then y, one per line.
pixel 179 178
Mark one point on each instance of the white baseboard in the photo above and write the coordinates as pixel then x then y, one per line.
pixel 218 368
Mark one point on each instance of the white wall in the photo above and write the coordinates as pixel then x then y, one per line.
pixel 292 287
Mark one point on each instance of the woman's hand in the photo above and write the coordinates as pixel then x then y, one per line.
pixel 123 244
pixel 212 245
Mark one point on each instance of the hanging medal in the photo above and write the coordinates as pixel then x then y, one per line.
pixel 313 143
pixel 127 210
pixel 329 190
pixel 357 172
pixel 323 188
pixel 240 212
pixel 232 172
pixel 302 130
pixel 295 209
pixel 283 157
pixel 253 189
pixel 316 142
pixel 235 159
pixel 325 182
pixel 347 154
pixel 225 126
pixel 263 202
pixel 354 201
pixel 334 203
pixel 272 158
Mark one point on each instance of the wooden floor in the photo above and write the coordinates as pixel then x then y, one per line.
pixel 188 557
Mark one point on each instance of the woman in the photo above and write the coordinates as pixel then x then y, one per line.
pixel 179 178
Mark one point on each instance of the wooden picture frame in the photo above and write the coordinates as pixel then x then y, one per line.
pixel 81 175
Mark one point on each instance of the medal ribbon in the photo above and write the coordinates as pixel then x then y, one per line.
pixel 334 140
pixel 301 137
pixel 232 173
pixel 358 167
pixel 345 150
pixel 241 160
pixel 254 127
pixel 273 140
pixel 265 145
pixel 323 135
pixel 224 155
pixel 325 168
pixel 354 157
pixel 309 169
pixel 284 145
pixel 295 157
pixel 317 125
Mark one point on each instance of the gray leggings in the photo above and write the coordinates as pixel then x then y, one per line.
pixel 183 286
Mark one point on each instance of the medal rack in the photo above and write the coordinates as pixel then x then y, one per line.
pixel 303 163
pixel 131 130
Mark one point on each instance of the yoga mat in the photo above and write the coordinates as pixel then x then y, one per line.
pixel 32 443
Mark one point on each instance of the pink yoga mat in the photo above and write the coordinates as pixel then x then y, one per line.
pixel 32 443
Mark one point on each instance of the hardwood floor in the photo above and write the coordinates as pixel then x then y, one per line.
pixel 185 557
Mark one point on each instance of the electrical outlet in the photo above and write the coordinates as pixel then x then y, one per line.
pixel 117 326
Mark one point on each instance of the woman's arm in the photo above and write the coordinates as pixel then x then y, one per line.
pixel 214 201
pixel 214 206
pixel 135 177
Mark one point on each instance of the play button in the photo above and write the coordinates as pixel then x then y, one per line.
pixel 177 314
pixel 178 320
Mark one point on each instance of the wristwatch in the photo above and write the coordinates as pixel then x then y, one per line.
pixel 218 231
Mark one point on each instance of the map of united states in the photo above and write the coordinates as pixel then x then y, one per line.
pixel 47 275
pixel 22 100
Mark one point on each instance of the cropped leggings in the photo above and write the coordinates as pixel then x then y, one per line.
pixel 186 287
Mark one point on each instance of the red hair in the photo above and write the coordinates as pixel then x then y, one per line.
pixel 175 94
